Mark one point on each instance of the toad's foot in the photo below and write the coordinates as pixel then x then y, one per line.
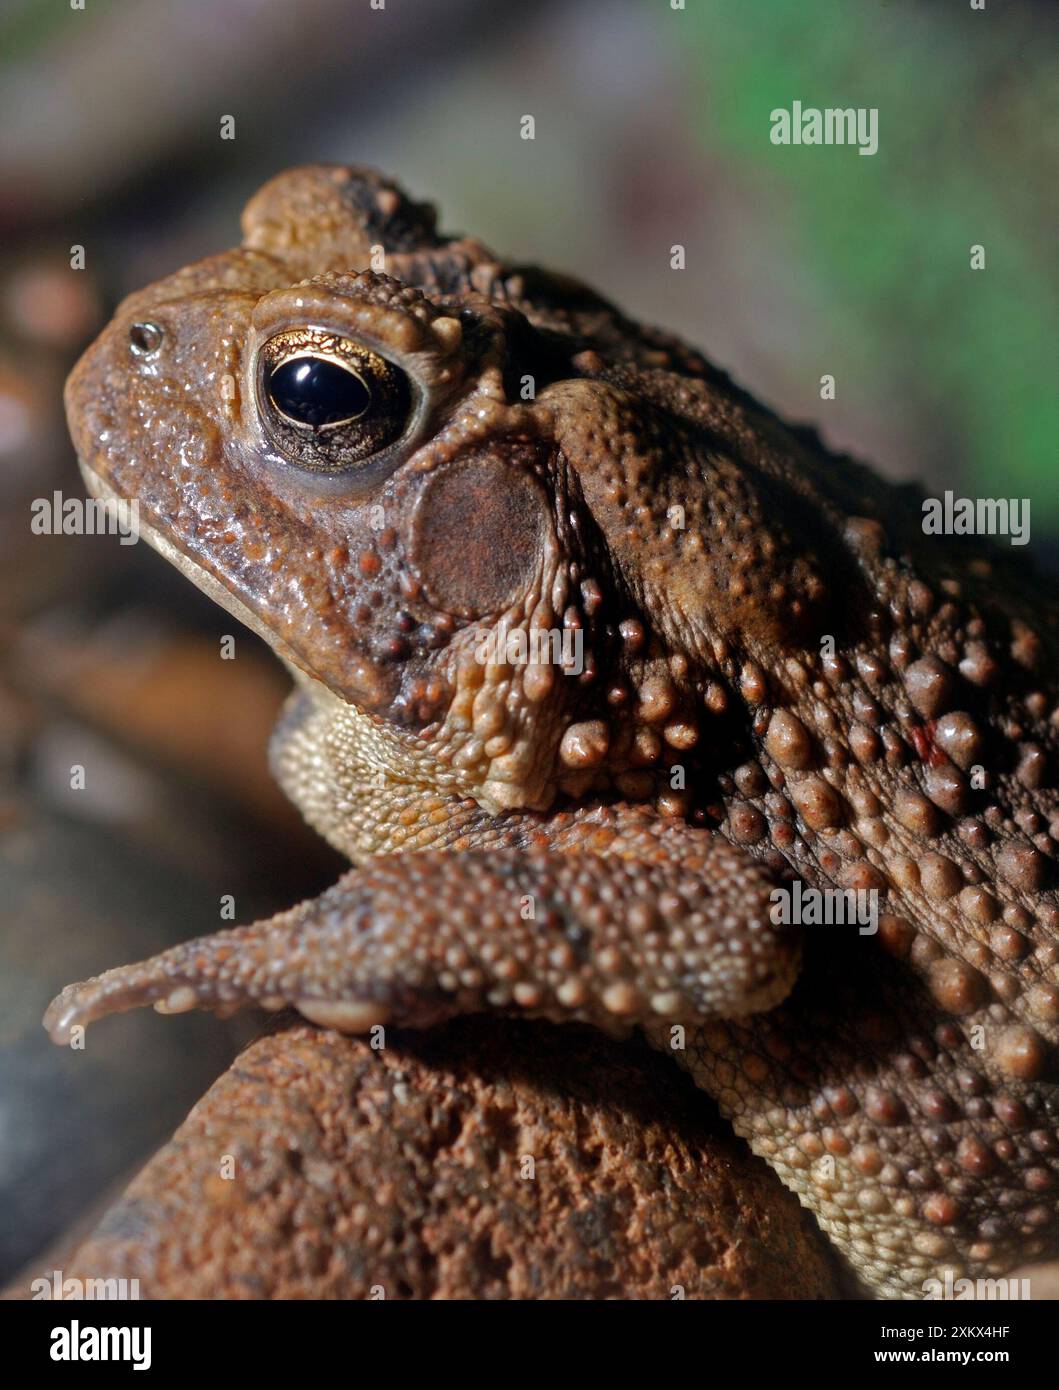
pixel 417 938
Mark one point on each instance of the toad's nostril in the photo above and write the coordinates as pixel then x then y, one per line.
pixel 145 339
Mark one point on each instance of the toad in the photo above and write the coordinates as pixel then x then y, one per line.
pixel 595 661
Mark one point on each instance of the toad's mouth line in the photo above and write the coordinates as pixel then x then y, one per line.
pixel 208 583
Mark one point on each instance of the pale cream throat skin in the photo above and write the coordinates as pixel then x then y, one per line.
pixel 783 678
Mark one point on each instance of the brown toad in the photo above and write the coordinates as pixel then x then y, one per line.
pixel 591 655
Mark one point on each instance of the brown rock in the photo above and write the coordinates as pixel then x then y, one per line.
pixel 404 1168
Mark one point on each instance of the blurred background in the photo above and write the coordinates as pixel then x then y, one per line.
pixel 652 128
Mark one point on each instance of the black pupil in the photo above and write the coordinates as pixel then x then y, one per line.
pixel 316 392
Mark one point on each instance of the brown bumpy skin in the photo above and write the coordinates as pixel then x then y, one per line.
pixel 760 669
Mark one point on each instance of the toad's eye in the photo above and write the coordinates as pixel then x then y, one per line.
pixel 314 391
pixel 329 403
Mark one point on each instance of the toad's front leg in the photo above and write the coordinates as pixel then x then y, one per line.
pixel 624 935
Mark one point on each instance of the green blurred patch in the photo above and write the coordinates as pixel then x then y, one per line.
pixel 26 25
pixel 967 155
